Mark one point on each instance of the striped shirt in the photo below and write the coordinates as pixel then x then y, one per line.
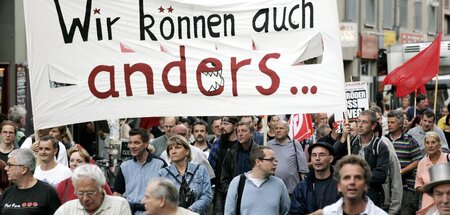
pixel 408 151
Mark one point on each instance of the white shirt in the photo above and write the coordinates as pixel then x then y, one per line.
pixel 53 176
pixel 110 205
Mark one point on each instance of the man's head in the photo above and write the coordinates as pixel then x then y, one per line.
pixel 422 102
pixel 244 132
pixel 378 113
pixel 352 176
pixel 17 114
pixel 215 124
pixel 200 130
pixel 21 162
pixel 263 160
pixel 406 101
pixel 323 131
pixel 161 195
pixel 8 132
pixel 322 155
pixel 252 120
pixel 281 130
pixel 439 187
pixel 138 142
pixel 367 121
pixel 427 121
pixel 168 123
pixel 47 149
pixel 228 126
pixel 88 181
pixel 320 118
pixel 272 121
pixel 395 121
pixel 188 124
pixel 180 129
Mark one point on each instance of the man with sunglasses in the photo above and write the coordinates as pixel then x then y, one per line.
pixel 258 191
pixel 27 195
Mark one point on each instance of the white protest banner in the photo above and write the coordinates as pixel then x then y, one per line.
pixel 101 59
pixel 357 96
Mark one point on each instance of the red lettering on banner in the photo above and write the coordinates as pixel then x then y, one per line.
pixel 234 68
pixel 182 87
pixel 272 74
pixel 145 69
pixel 209 77
pixel 91 82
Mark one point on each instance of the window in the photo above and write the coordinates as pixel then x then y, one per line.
pixel 404 14
pixel 432 19
pixel 447 25
pixel 418 15
pixel 388 14
pixel 370 13
pixel 351 10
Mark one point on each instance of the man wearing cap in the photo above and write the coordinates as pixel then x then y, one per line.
pixel 217 155
pixel 319 187
pixel 439 189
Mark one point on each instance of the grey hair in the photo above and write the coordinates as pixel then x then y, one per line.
pixel 24 157
pixel 166 189
pixel 89 171
pixel 398 114
pixel 16 113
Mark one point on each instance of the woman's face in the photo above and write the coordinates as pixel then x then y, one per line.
pixel 432 146
pixel 177 153
pixel 76 160
pixel 55 133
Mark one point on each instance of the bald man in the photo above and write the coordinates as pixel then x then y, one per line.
pixel 290 156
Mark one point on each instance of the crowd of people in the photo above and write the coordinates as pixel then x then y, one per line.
pixel 383 162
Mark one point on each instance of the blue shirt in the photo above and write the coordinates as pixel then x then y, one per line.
pixel 200 184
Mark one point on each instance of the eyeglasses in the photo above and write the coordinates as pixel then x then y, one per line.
pixel 269 159
pixel 9 165
pixel 85 193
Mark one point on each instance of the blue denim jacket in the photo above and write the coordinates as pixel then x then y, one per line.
pixel 201 185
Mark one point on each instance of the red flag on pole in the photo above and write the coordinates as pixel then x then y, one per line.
pixel 417 71
pixel 300 126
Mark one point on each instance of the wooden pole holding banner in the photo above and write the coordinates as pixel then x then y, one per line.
pixel 435 94
pixel 415 103
pixel 264 121
pixel 349 151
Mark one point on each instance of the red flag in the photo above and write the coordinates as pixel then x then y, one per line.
pixel 300 126
pixel 417 71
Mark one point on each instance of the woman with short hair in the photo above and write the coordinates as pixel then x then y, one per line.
pixel 189 178
pixel 77 157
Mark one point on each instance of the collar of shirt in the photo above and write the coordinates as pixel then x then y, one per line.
pixel 104 206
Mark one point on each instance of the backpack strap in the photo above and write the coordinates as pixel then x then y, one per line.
pixel 448 159
pixel 175 177
pixel 240 190
pixel 376 146
pixel 193 174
